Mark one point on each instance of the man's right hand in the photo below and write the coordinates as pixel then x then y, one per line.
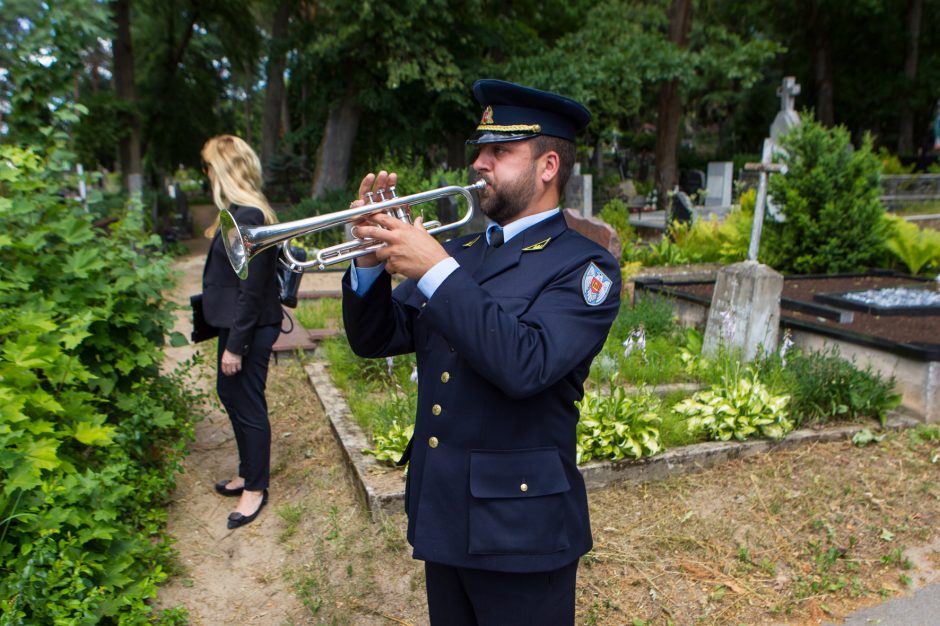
pixel 372 183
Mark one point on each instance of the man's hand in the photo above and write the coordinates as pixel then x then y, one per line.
pixel 372 183
pixel 409 250
pixel 231 363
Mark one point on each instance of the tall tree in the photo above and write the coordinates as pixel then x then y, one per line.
pixel 274 100
pixel 670 107
pixel 915 10
pixel 122 48
pixel 821 46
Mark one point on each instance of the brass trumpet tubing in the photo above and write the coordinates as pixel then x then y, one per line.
pixel 242 243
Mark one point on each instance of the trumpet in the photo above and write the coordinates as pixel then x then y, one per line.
pixel 242 243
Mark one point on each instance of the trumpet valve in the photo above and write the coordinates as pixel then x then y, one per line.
pixel 391 190
pixel 370 197
pixel 381 192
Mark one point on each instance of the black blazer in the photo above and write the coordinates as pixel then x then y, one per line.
pixel 240 305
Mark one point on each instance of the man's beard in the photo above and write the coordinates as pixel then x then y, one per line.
pixel 509 199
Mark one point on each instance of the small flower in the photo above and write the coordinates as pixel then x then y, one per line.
pixel 636 340
pixel 390 365
pixel 785 346
pixel 414 374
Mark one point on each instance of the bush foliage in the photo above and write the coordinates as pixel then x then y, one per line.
pixel 830 199
pixel 91 431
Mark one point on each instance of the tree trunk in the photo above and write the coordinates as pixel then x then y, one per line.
pixel 822 65
pixel 915 9
pixel 129 149
pixel 271 127
pixel 335 150
pixel 670 109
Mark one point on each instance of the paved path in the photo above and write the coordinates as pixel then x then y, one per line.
pixel 922 608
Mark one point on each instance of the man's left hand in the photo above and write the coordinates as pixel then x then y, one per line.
pixel 409 250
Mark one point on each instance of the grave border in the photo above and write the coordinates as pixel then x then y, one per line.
pixel 381 500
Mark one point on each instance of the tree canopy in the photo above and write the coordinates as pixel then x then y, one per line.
pixel 331 87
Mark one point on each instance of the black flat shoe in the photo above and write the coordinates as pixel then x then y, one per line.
pixel 236 519
pixel 221 490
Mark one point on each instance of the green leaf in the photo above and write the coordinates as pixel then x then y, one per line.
pixel 94 435
pixel 178 339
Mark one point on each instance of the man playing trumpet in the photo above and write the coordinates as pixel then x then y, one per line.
pixel 505 325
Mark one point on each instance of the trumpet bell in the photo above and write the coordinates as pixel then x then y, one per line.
pixel 234 244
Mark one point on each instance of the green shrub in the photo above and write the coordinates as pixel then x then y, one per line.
pixel 891 164
pixel 91 432
pixel 830 198
pixel 824 386
pixel 617 216
pixel 739 407
pixel 917 248
pixel 617 426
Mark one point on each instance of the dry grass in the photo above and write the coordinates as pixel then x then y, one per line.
pixel 792 537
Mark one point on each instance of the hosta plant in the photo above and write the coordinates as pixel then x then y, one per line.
pixel 739 407
pixel 617 426
pixel 391 446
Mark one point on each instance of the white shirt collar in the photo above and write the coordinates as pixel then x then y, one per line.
pixel 514 228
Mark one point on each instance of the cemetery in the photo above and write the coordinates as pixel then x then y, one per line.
pixel 759 434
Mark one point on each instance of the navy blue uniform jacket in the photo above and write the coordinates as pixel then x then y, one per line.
pixel 503 348
pixel 240 305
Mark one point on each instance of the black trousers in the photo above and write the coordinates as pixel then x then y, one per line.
pixel 458 596
pixel 242 396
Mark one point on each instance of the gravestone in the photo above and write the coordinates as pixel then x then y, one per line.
pixel 579 192
pixel 691 181
pixel 745 311
pixel 718 185
pixel 681 210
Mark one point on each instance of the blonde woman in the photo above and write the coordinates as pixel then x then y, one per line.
pixel 248 315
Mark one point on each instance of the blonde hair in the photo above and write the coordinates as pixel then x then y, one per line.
pixel 236 177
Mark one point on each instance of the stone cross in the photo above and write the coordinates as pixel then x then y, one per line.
pixel 788 91
pixel 765 167
pixel 787 117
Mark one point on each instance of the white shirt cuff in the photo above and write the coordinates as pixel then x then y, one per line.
pixel 433 278
pixel 361 279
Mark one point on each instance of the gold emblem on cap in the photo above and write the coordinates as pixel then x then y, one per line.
pixel 487 116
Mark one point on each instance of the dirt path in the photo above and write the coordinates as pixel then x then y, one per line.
pixel 228 576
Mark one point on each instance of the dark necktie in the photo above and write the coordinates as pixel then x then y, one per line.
pixel 496 237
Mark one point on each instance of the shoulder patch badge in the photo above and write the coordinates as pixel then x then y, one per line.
pixel 537 246
pixel 471 242
pixel 595 285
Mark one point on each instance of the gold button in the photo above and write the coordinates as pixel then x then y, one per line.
pixel 424 304
pixel 432 442
pixel 523 487
pixel 436 409
pixel 445 377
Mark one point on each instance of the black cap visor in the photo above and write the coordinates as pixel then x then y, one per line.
pixel 486 136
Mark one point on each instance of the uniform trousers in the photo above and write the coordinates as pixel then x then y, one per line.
pixel 242 395
pixel 458 596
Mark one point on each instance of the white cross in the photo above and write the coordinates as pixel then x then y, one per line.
pixel 788 91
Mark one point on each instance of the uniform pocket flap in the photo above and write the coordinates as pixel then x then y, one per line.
pixel 516 473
